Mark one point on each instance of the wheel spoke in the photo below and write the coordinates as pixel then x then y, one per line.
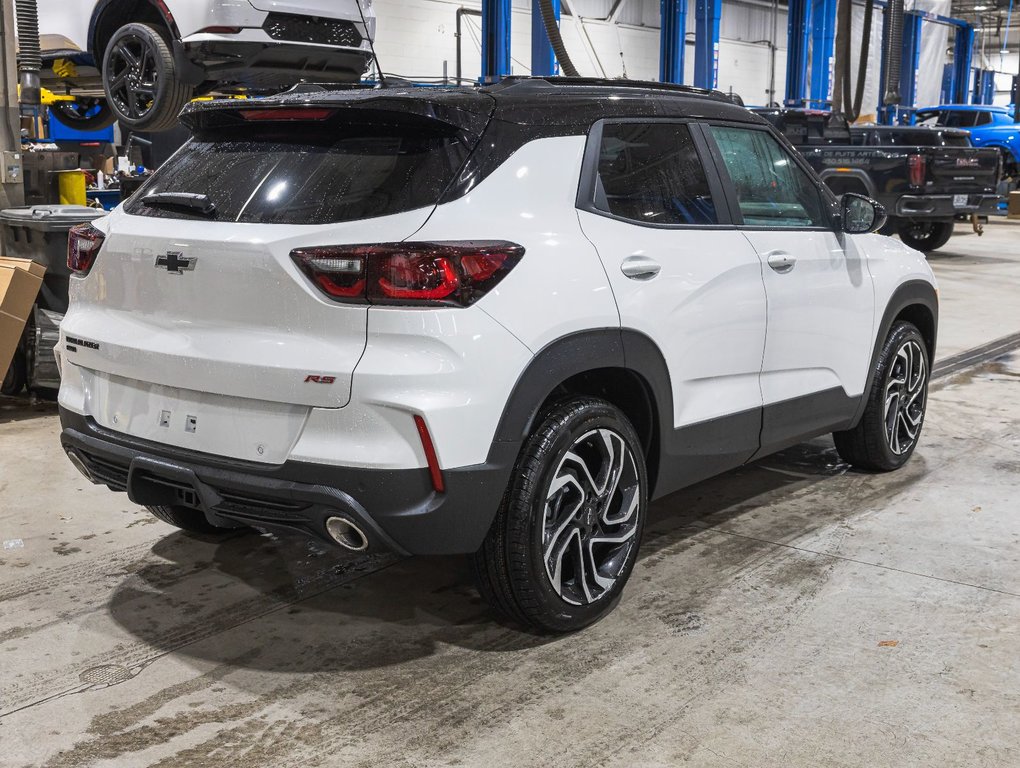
pixel 591 516
pixel 904 397
pixel 125 52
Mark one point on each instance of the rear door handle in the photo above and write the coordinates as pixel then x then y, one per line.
pixel 781 261
pixel 640 267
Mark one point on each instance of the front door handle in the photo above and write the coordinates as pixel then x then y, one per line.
pixel 781 261
pixel 640 267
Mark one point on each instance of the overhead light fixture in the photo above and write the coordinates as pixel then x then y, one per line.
pixel 980 7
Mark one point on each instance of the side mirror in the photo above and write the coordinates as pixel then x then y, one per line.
pixel 860 214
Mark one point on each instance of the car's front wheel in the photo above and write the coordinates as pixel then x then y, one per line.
pixel 891 425
pixel 140 79
pixel 567 533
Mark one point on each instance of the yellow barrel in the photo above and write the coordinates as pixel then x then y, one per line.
pixel 71 187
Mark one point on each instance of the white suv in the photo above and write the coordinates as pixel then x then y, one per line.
pixel 141 61
pixel 496 321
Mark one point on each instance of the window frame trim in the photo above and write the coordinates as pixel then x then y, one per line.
pixel 587 189
pixel 829 200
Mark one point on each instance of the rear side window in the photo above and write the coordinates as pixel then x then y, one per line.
pixel 296 175
pixel 772 190
pixel 651 173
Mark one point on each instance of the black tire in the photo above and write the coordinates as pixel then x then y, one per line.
pixel 511 566
pixel 140 79
pixel 925 236
pixel 875 444
pixel 191 520
pixel 74 114
pixel 16 376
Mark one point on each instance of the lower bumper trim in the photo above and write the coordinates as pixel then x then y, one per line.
pixel 398 510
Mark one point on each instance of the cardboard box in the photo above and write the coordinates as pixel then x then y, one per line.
pixel 19 284
pixel 1014 205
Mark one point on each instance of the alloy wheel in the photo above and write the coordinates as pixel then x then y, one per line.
pixel 905 396
pixel 591 517
pixel 133 77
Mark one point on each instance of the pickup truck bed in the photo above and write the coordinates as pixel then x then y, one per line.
pixel 923 176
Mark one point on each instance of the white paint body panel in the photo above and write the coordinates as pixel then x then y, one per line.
pixel 71 20
pixel 705 310
pixel 821 314
pixel 559 287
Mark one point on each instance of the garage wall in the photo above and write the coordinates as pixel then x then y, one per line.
pixel 416 37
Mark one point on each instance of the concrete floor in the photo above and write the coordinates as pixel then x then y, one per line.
pixel 792 613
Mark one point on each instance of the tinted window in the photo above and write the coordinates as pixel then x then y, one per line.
pixel 652 173
pixel 301 176
pixel 772 190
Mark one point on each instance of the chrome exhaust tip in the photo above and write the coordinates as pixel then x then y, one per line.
pixel 345 533
pixel 79 464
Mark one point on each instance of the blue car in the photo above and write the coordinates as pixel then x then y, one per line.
pixel 988 126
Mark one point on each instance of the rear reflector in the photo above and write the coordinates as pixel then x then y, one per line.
pixel 83 244
pixel 289 113
pixel 430 455
pixel 423 274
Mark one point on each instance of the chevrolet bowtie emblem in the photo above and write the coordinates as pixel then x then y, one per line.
pixel 175 263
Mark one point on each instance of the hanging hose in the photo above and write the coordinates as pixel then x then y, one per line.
pixel 552 31
pixel 892 56
pixel 29 51
pixel 862 67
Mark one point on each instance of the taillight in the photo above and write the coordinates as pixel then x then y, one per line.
pixel 430 274
pixel 83 244
pixel 917 167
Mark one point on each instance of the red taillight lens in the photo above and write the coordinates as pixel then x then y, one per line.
pixel 917 168
pixel 430 274
pixel 83 244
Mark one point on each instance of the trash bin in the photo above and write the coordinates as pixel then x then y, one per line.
pixel 39 233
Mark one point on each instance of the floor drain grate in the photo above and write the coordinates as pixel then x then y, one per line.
pixel 976 356
pixel 105 675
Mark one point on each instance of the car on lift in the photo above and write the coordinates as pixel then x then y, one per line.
pixel 141 61
pixel 492 321
pixel 924 176
pixel 988 126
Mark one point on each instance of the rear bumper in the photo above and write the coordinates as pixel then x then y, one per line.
pixel 397 509
pixel 944 206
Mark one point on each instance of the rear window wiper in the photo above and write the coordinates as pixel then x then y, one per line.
pixel 190 200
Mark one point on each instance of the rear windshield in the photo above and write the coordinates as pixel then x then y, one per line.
pixel 286 174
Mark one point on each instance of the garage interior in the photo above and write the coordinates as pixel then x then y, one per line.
pixel 792 612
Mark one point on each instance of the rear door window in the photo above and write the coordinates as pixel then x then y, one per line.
pixel 771 189
pixel 651 173
pixel 294 174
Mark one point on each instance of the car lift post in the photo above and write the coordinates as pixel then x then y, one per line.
pixel 706 43
pixel 823 40
pixel 672 34
pixel 798 31
pixel 963 55
pixel 543 59
pixel 12 189
pixel 495 40
pixel 912 22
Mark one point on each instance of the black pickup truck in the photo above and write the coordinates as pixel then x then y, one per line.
pixel 924 176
